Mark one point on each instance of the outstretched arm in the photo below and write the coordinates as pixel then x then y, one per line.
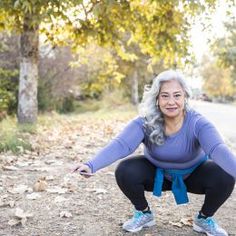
pixel 214 146
pixel 121 146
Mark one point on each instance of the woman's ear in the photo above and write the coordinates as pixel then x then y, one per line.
pixel 157 101
pixel 185 104
pixel 157 104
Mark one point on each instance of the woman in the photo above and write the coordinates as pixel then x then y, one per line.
pixel 183 153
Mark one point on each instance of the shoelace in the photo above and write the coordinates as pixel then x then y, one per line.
pixel 137 217
pixel 211 223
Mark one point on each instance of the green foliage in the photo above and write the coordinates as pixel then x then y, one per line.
pixel 88 105
pixel 8 90
pixel 12 138
pixel 27 128
pixel 13 142
pixel 141 36
pixel 225 50
pixel 156 31
pixel 65 105
pixel 101 73
pixel 109 101
pixel 158 28
pixel 217 80
pixel 45 99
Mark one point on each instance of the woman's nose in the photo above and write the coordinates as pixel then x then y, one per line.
pixel 171 100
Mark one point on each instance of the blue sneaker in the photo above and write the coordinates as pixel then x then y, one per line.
pixel 208 226
pixel 138 221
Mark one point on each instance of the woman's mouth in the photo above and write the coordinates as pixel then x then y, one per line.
pixel 171 109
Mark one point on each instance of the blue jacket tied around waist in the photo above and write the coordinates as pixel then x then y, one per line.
pixel 178 187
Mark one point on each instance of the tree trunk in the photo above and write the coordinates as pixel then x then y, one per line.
pixel 134 88
pixel 28 81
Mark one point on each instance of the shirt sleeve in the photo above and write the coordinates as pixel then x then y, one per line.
pixel 121 146
pixel 214 146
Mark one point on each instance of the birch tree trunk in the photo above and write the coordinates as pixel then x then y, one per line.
pixel 28 81
pixel 134 88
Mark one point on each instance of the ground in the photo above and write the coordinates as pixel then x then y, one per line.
pixel 40 197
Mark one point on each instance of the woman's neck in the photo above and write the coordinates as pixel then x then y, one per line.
pixel 173 125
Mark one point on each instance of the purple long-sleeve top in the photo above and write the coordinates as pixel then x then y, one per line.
pixel 196 138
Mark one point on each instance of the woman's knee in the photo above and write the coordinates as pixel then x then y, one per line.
pixel 224 180
pixel 228 181
pixel 123 170
pixel 134 169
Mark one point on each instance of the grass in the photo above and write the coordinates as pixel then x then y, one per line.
pixel 15 138
pixel 12 136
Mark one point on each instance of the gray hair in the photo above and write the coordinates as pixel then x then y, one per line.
pixel 154 125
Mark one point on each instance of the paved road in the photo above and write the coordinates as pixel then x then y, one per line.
pixel 223 116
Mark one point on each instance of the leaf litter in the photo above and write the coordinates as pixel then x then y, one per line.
pixel 39 195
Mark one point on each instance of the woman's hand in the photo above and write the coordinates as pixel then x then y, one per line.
pixel 83 169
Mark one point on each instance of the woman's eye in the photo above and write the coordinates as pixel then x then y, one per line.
pixel 164 96
pixel 177 95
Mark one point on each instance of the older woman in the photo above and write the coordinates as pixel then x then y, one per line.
pixel 183 153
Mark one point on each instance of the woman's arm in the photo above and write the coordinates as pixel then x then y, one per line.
pixel 214 146
pixel 121 146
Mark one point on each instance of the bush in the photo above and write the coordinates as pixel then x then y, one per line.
pixel 13 142
pixel 12 137
pixel 65 105
pixel 8 90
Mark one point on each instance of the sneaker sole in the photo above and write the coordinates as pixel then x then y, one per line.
pixel 200 230
pixel 147 225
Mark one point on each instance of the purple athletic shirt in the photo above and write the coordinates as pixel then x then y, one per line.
pixel 196 138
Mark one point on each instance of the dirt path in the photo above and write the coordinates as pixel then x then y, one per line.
pixel 71 205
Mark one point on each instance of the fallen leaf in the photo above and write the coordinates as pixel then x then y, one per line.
pixel 5 196
pixel 2 203
pixel 177 224
pixel 110 173
pixel 14 222
pixel 187 221
pixel 65 214
pixel 40 185
pixel 23 221
pixel 100 191
pixel 11 203
pixel 57 190
pixel 11 168
pixel 33 196
pixel 19 213
pixel 22 164
pixel 20 149
pixel 59 199
pixel 21 188
pixel 20 217
pixel 49 178
pixel 5 204
pixel 54 162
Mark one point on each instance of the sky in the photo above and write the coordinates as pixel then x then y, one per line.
pixel 200 37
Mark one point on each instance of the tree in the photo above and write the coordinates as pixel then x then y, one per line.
pixel 217 80
pixel 97 74
pixel 25 17
pixel 159 28
pixel 143 32
pixel 225 50
pixel 8 74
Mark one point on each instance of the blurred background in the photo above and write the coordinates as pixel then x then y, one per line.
pixel 77 56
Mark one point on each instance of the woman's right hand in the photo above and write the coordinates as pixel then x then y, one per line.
pixel 83 169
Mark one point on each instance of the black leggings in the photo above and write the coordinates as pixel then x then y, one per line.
pixel 136 175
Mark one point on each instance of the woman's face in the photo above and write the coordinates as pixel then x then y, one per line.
pixel 171 99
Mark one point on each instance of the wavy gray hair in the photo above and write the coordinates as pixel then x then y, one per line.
pixel 154 125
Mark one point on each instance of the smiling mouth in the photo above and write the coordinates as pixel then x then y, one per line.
pixel 171 109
